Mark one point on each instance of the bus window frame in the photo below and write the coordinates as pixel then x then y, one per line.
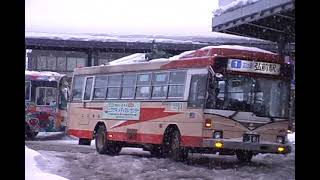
pixel 144 85
pixel 182 84
pixel 94 87
pixel 84 86
pixel 150 85
pixel 45 95
pixel 134 86
pixel 29 99
pixel 160 85
pixel 116 74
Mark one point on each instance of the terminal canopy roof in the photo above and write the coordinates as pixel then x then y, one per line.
pixel 272 20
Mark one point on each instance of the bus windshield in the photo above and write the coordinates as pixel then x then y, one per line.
pixel 263 97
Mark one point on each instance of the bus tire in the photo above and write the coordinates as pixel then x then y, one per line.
pixel 157 151
pixel 29 133
pixel 103 146
pixel 114 148
pixel 244 156
pixel 101 140
pixel 83 141
pixel 176 152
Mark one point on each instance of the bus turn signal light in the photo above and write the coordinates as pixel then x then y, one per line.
pixel 207 123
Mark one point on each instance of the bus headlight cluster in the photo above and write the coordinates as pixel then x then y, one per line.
pixel 281 139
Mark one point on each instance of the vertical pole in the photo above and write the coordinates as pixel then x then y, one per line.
pixel 89 62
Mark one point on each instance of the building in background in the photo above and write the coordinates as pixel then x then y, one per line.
pixel 63 52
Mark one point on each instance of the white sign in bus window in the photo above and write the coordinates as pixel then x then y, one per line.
pixel 253 66
pixel 121 110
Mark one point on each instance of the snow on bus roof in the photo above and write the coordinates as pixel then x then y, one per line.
pixel 43 75
pixel 140 57
pixel 237 47
pixel 137 57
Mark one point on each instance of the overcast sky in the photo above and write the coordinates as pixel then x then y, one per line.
pixel 120 16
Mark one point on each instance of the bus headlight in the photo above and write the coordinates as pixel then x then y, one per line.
pixel 281 149
pixel 218 144
pixel 217 135
pixel 280 139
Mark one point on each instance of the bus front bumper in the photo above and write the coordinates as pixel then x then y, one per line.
pixel 259 147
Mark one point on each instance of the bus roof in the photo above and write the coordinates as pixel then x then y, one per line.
pixel 42 75
pixel 190 59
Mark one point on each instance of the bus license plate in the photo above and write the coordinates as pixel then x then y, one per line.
pixel 251 138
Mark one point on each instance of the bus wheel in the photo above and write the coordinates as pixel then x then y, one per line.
pixel 113 148
pixel 83 141
pixel 176 152
pixel 29 133
pixel 157 151
pixel 101 140
pixel 103 146
pixel 244 156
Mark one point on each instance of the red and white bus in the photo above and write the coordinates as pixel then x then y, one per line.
pixel 46 95
pixel 227 99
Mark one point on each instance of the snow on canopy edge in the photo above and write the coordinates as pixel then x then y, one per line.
pixel 199 38
pixel 233 6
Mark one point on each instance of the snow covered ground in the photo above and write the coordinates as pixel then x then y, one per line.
pixel 136 164
pixel 32 172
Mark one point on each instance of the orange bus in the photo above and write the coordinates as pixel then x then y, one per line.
pixel 227 99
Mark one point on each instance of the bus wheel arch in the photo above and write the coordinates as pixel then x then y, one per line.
pixel 171 145
pixel 96 128
pixel 103 145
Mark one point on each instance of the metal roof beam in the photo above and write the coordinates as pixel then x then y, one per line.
pixel 265 27
pixel 287 17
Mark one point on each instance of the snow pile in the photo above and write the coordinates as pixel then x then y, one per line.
pixel 232 6
pixel 292 137
pixel 31 170
pixel 133 58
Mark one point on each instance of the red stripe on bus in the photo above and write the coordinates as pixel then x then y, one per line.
pixel 185 63
pixel 147 114
pixel 191 141
pixel 143 138
pixel 81 133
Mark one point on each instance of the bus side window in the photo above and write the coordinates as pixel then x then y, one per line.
pixel 176 84
pixel 40 96
pixel 77 87
pixel 197 91
pixel 88 88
